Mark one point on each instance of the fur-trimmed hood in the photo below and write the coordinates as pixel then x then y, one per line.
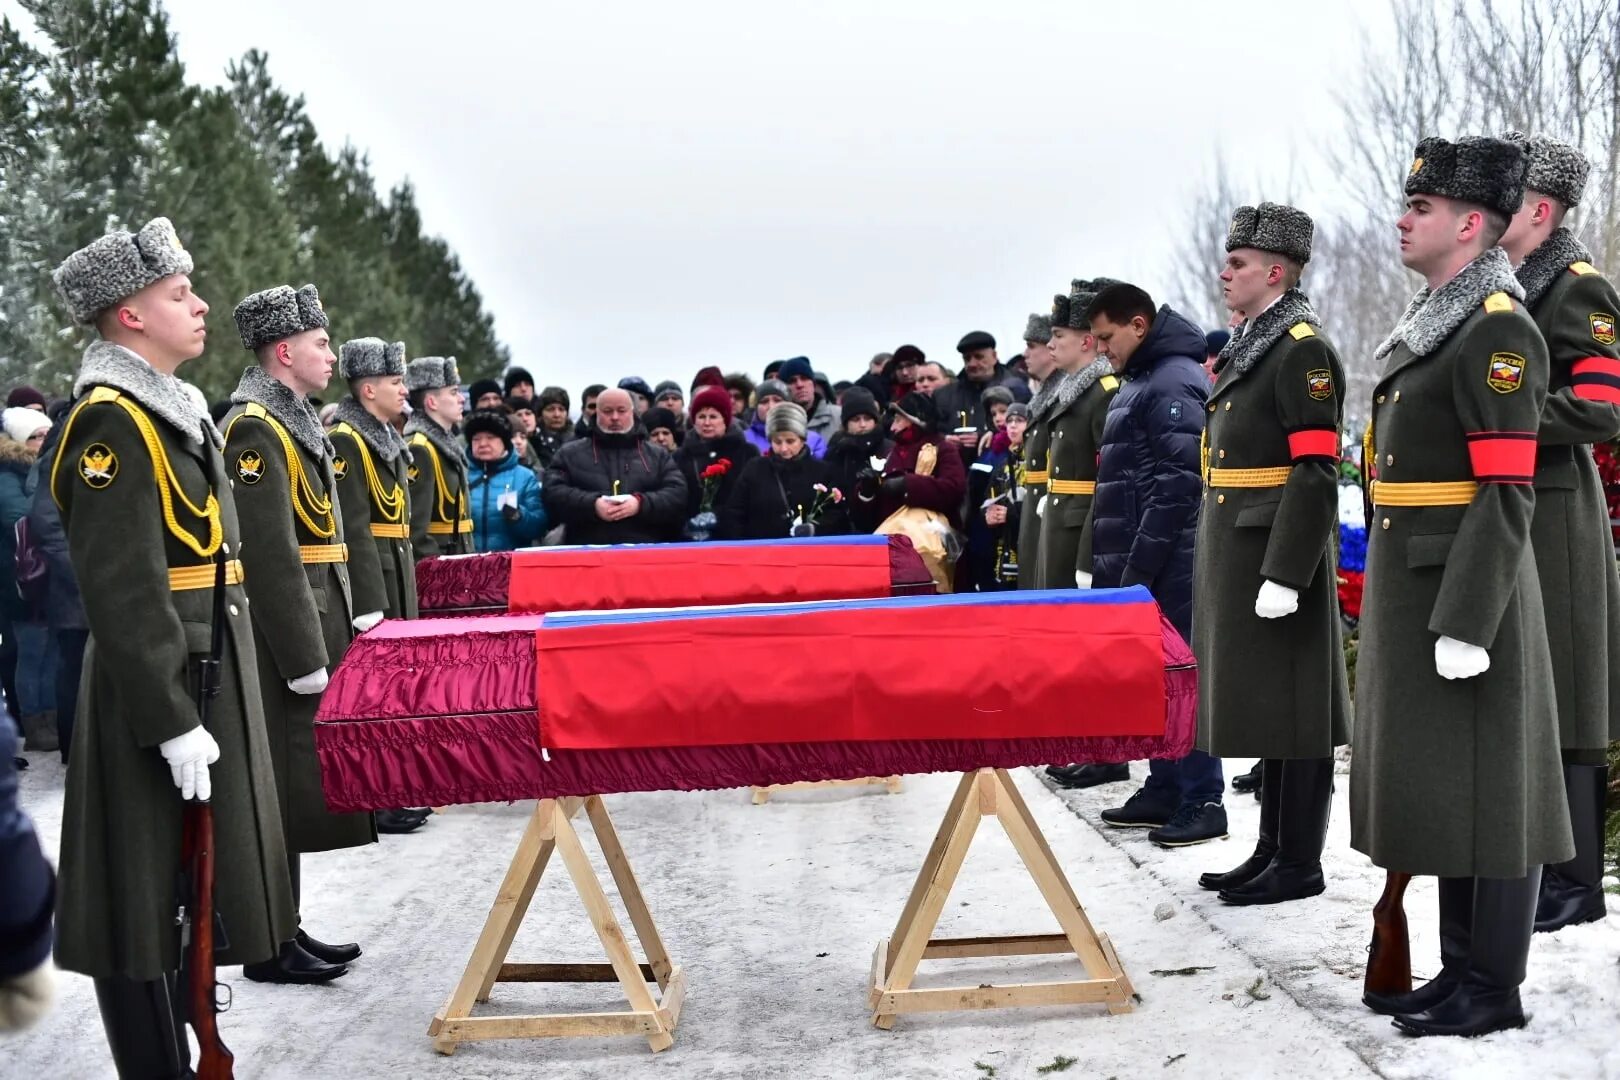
pixel 295 413
pixel 1543 266
pixel 1078 383
pixel 15 455
pixel 446 443
pixel 384 441
pixel 1432 316
pixel 1251 339
pixel 106 364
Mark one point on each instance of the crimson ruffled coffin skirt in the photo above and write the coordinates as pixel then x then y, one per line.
pixel 669 575
pixel 443 711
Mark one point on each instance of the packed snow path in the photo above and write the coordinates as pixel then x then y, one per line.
pixel 774 911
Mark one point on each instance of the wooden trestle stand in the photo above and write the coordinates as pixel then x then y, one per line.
pixel 763 793
pixel 991 793
pixel 551 828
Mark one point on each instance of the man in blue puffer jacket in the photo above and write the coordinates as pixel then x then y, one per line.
pixel 503 494
pixel 1145 518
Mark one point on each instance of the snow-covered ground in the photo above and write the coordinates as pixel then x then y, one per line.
pixel 774 911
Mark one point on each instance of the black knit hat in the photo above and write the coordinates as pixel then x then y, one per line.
pixel 482 387
pixel 553 395
pixel 489 422
pixel 858 401
pixel 660 417
pixel 905 354
pixel 1475 169
pixel 920 408
pixel 515 376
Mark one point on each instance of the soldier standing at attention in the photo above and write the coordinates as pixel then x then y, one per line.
pixel 280 462
pixel 1266 608
pixel 372 466
pixel 1575 307
pixel 1457 770
pixel 440 523
pixel 1041 365
pixel 150 520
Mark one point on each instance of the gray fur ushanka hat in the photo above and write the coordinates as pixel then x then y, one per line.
pixel 367 357
pixel 119 265
pixel 1038 329
pixel 431 373
pixel 1060 312
pixel 278 313
pixel 1475 169
pixel 1553 167
pixel 1274 227
pixel 1082 291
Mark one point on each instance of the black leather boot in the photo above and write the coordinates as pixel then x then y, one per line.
pixel 1077 777
pixel 320 950
pixel 401 821
pixel 1265 845
pixel 1456 929
pixel 294 965
pixel 1487 997
pixel 1302 821
pixel 1249 783
pixel 144 1028
pixel 1572 892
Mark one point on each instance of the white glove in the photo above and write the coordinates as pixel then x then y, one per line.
pixel 313 683
pixel 25 998
pixel 1275 601
pixel 365 622
pixel 507 498
pixel 189 756
pixel 1455 659
pixel 1040 507
pixel 1082 580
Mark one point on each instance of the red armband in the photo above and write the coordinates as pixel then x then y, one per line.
pixel 1597 378
pixel 1314 443
pixel 1503 457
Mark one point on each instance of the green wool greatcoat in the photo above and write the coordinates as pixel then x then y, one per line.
pixel 1272 688
pixel 302 613
pixel 122 812
pixel 1076 437
pixel 1037 443
pixel 440 523
pixel 374 495
pixel 1457 777
pixel 1573 544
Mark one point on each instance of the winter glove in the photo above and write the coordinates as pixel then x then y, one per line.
pixel 866 484
pixel 803 528
pixel 1040 507
pixel 1275 601
pixel 365 622
pixel 507 504
pixel 189 756
pixel 313 683
pixel 1082 580
pixel 25 998
pixel 895 486
pixel 1455 659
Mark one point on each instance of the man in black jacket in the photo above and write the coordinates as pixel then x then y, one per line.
pixel 614 486
pixel 1145 518
pixel 962 414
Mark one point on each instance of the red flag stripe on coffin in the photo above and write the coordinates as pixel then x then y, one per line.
pixel 1503 457
pixel 1597 378
pixel 1314 442
pixel 858 670
pixel 672 575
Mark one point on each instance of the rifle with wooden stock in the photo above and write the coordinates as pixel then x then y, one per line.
pixel 197 916
pixel 1389 957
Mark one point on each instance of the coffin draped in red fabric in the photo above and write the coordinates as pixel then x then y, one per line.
pixel 671 575
pixel 444 711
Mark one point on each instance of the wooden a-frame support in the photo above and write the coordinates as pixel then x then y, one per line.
pixel 991 793
pixel 551 828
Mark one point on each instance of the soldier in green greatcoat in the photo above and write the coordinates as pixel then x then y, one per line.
pixel 372 464
pixel 1576 308
pixel 297 577
pixel 1041 366
pixel 1271 675
pixel 1075 436
pixel 150 519
pixel 1455 768
pixel 440 524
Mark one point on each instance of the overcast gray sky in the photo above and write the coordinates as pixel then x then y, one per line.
pixel 651 187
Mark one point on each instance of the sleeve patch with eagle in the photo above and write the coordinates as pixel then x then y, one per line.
pixel 1319 384
pixel 340 468
pixel 98 465
pixel 250 467
pixel 1506 373
pixel 1602 328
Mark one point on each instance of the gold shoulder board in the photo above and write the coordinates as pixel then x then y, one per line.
pixel 1498 301
pixel 1300 331
pixel 1110 383
pixel 1581 269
